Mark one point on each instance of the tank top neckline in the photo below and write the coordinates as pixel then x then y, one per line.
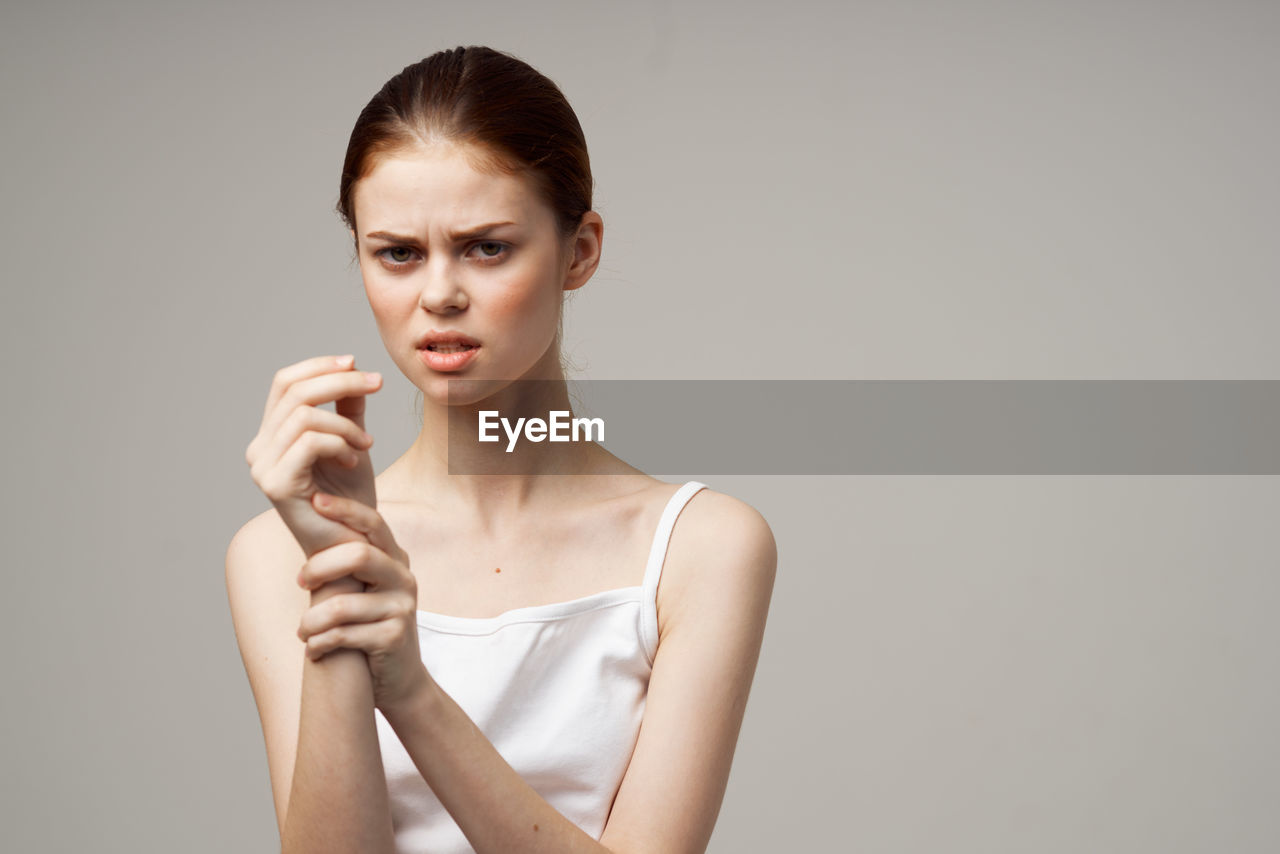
pixel 529 613
pixel 582 604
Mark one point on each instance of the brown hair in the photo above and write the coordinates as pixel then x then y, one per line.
pixel 514 118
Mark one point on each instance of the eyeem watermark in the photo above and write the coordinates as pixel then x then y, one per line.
pixel 895 427
pixel 538 430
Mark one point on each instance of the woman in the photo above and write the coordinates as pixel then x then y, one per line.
pixel 490 662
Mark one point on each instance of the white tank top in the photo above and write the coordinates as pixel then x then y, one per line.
pixel 559 689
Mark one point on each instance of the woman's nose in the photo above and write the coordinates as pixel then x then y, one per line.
pixel 442 291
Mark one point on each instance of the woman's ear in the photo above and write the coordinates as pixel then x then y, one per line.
pixel 585 251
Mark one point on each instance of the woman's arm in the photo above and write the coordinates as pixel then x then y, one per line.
pixel 317 716
pixel 338 801
pixel 495 808
pixel 671 794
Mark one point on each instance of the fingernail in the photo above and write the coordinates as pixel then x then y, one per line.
pixel 323 500
pixel 345 361
pixel 372 378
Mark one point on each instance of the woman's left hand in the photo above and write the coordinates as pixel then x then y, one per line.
pixel 382 619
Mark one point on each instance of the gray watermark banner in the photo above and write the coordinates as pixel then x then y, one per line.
pixel 849 427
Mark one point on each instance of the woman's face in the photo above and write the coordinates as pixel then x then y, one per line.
pixel 444 247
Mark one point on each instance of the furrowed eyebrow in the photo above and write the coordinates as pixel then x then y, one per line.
pixel 466 234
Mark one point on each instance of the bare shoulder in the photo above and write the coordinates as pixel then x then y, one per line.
pixel 712 516
pixel 262 564
pixel 722 550
pixel 267 531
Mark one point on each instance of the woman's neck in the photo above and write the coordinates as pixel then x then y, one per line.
pixel 449 465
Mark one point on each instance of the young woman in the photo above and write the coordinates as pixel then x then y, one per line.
pixel 484 662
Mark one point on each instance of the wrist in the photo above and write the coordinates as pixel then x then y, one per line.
pixel 337 534
pixel 419 702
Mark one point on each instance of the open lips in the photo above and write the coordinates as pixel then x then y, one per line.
pixel 438 341
pixel 447 351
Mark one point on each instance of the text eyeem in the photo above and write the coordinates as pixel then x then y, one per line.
pixel 538 430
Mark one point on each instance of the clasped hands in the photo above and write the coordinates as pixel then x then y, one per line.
pixel 381 620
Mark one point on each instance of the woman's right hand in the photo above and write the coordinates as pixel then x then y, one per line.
pixel 302 448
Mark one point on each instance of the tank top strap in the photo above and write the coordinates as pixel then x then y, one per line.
pixel 653 569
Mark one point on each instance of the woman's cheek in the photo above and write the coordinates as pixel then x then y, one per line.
pixel 527 310
pixel 384 315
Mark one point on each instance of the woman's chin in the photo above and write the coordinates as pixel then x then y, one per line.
pixel 461 391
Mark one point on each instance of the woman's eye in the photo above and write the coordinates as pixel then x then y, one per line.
pixel 387 255
pixel 491 248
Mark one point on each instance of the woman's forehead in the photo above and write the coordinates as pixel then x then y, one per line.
pixel 441 190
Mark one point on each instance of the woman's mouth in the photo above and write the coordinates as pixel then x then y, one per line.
pixel 447 357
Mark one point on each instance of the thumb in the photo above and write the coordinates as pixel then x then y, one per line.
pixel 351 407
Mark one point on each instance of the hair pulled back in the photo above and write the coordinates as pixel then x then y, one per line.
pixel 512 118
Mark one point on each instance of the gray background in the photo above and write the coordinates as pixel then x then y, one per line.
pixel 803 190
